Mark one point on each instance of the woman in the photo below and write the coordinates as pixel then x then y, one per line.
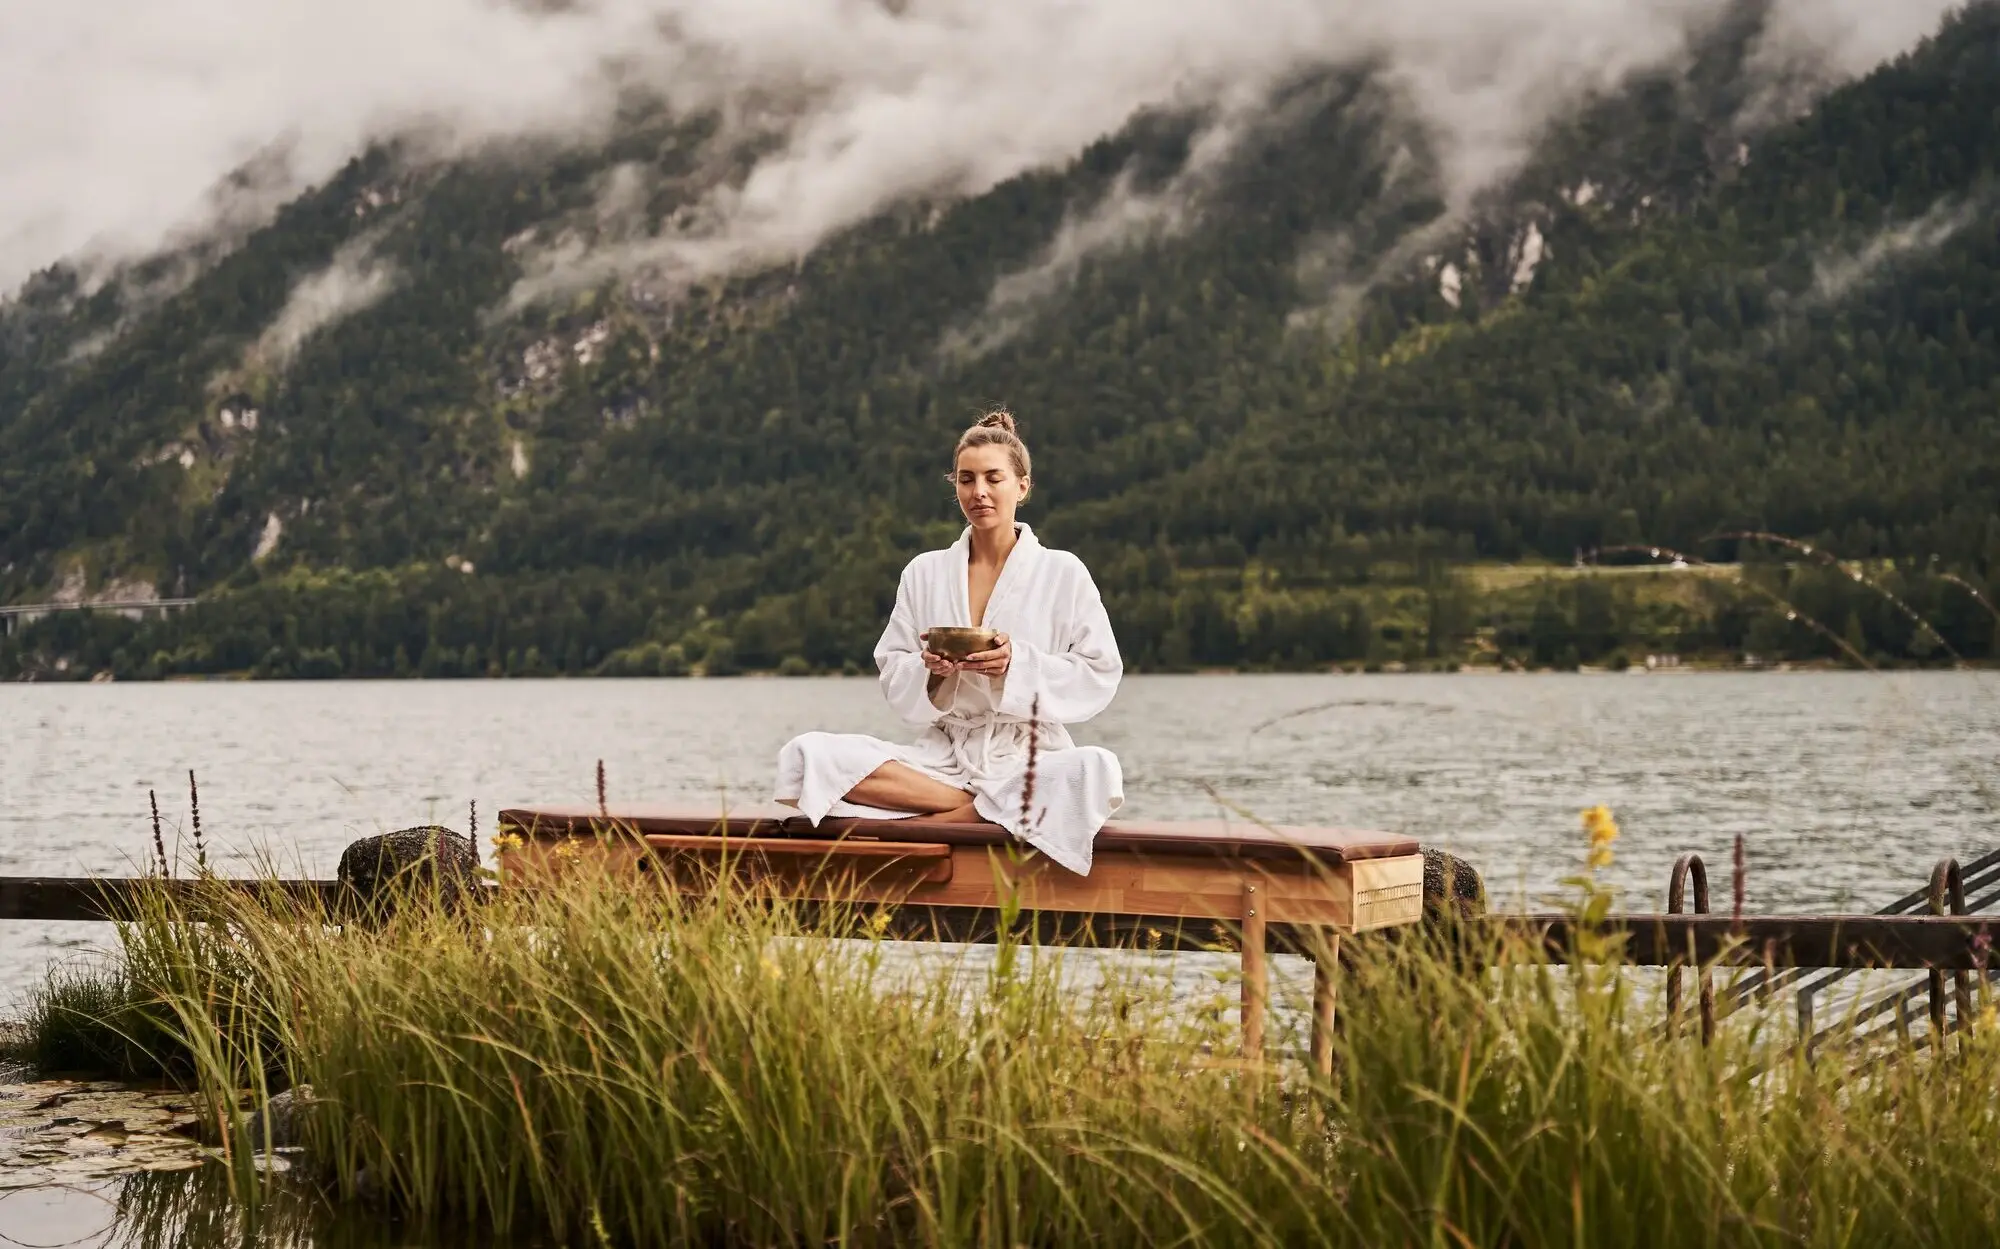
pixel 1054 662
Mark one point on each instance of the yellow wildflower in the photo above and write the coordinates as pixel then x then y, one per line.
pixel 1602 831
pixel 568 851
pixel 506 842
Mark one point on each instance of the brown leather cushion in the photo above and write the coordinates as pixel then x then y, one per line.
pixel 1119 836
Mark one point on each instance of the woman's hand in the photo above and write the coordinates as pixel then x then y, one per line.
pixel 990 663
pixel 937 665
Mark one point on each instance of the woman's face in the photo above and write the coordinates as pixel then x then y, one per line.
pixel 988 487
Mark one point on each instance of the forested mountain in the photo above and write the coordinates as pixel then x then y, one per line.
pixel 1298 393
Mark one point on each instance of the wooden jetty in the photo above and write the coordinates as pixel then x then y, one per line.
pixel 1242 882
pixel 1170 887
pixel 1909 942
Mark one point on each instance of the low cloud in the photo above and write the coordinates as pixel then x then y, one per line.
pixel 1839 275
pixel 129 117
pixel 139 124
pixel 354 280
pixel 1808 45
pixel 950 97
pixel 1349 275
pixel 1124 217
pixel 1349 264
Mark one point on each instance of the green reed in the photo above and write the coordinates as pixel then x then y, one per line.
pixel 620 1067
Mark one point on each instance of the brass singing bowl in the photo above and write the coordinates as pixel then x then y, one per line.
pixel 956 643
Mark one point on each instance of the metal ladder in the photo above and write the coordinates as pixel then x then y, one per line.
pixel 1971 889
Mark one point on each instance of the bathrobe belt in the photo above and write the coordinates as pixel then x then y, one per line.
pixel 977 743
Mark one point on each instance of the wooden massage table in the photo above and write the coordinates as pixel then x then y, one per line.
pixel 1159 885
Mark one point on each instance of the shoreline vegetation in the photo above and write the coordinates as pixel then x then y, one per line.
pixel 427 621
pixel 609 1066
pixel 1673 665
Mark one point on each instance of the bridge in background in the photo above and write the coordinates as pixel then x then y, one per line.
pixel 133 609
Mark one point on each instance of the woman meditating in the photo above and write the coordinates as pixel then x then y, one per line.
pixel 1052 662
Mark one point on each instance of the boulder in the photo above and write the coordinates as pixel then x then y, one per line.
pixel 283 1117
pixel 1453 892
pixel 1452 887
pixel 429 857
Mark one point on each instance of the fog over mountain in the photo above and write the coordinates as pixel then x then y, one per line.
pixel 134 125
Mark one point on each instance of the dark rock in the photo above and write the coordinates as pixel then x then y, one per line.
pixel 410 860
pixel 283 1117
pixel 15 1038
pixel 1451 887
pixel 1453 893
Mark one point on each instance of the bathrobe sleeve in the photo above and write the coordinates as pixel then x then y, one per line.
pixel 899 658
pixel 1076 680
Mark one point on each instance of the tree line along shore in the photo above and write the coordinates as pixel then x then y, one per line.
pixel 439 622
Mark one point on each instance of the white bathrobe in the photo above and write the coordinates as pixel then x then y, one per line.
pixel 1064 670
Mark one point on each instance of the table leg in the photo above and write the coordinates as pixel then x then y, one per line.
pixel 1256 975
pixel 1326 987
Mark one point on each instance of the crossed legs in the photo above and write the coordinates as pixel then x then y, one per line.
pixel 900 787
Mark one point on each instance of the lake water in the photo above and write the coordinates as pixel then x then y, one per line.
pixel 1846 786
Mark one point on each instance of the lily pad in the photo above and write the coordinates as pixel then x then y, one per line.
pixel 68 1131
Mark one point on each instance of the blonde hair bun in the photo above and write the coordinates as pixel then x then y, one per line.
pixel 996 429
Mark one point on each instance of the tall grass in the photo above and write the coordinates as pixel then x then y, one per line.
pixel 621 1067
